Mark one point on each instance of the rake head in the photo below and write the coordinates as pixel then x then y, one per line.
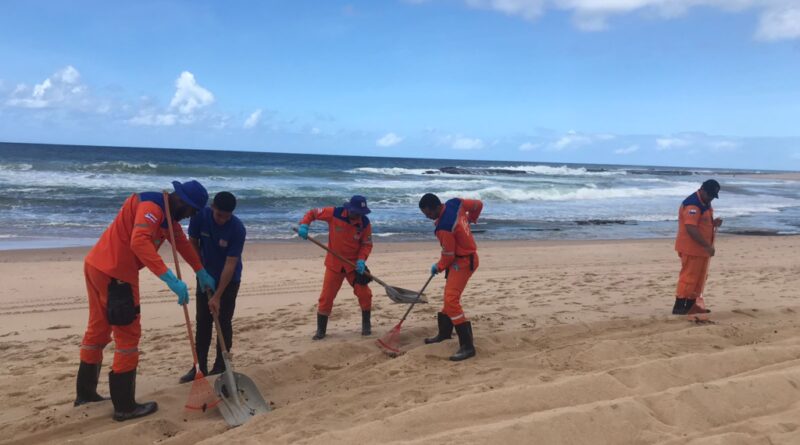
pixel 390 342
pixel 202 396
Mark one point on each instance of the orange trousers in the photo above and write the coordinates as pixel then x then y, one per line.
pixel 458 275
pixel 692 279
pixel 331 285
pixel 98 331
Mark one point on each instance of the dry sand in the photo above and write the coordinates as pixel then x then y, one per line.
pixel 575 345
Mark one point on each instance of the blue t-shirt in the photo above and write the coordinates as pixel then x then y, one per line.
pixel 217 242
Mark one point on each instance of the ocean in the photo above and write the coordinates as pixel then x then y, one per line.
pixel 54 195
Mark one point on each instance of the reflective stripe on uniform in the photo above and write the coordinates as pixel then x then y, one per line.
pixel 457 317
pixel 126 351
pixel 93 347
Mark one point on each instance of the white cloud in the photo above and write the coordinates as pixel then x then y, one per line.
pixel 570 140
pixel 671 143
pixel 62 89
pixel 627 150
pixel 316 130
pixel 189 95
pixel 779 24
pixel 528 146
pixel 527 9
pixel 185 107
pixel 723 145
pixel 463 143
pixel 150 119
pixel 388 140
pixel 253 119
pixel 779 19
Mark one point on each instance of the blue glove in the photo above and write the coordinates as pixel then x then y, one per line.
pixel 303 231
pixel 434 268
pixel 206 281
pixel 360 266
pixel 177 286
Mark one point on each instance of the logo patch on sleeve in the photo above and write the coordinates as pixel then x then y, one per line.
pixel 223 243
pixel 693 212
pixel 152 218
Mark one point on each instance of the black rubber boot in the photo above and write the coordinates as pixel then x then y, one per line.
pixel 218 368
pixel 189 376
pixel 467 349
pixel 680 307
pixel 689 304
pixel 123 390
pixel 445 329
pixel 86 387
pixel 322 327
pixel 366 324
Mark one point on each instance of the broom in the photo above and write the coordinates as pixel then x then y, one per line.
pixel 201 396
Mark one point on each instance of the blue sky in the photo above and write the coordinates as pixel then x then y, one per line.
pixel 712 83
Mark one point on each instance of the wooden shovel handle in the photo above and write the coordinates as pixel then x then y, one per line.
pixel 343 259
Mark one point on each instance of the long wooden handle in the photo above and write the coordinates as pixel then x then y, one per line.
pixel 418 297
pixel 220 337
pixel 343 259
pixel 178 272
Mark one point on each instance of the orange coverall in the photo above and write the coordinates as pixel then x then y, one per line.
pixel 128 244
pixel 352 241
pixel 694 258
pixel 459 252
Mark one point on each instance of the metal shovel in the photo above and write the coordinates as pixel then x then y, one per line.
pixel 396 294
pixel 241 399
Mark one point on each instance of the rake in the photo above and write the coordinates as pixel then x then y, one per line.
pixel 390 343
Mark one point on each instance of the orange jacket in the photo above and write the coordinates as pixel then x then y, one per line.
pixel 133 238
pixel 694 212
pixel 352 241
pixel 452 229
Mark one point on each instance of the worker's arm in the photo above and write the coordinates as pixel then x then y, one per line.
pixel 186 249
pixel 448 242
pixel 224 280
pixel 366 243
pixel 694 233
pixel 146 224
pixel 195 228
pixel 233 253
pixel 473 208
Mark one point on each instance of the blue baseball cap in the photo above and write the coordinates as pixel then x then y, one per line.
pixel 357 205
pixel 192 193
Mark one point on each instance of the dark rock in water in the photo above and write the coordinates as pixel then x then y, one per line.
pixel 755 232
pixel 455 171
pixel 480 171
pixel 599 222
pixel 431 172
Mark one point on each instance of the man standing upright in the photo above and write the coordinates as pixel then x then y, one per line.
pixel 695 246
pixel 112 269
pixel 218 236
pixel 459 260
pixel 349 235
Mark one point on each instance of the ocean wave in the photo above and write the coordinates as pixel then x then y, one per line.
pixel 121 167
pixel 563 170
pixel 584 193
pixel 392 171
pixel 16 167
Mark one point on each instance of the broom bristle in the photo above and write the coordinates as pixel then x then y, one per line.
pixel 201 396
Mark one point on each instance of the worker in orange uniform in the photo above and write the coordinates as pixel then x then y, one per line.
pixel 349 235
pixel 112 269
pixel 459 260
pixel 695 246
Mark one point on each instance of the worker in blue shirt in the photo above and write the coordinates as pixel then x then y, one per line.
pixel 218 236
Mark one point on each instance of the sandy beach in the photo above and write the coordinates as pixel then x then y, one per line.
pixel 575 345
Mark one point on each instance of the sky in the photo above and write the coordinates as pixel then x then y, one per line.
pixel 703 83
